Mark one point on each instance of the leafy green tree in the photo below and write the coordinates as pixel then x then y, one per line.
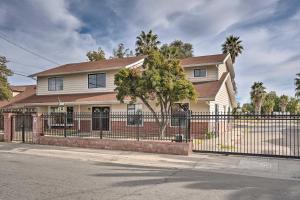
pixel 269 103
pixel 293 106
pixel 146 42
pixel 159 84
pixel 297 83
pixel 5 92
pixel 257 95
pixel 233 45
pixel 284 100
pixel 177 49
pixel 169 52
pixel 96 55
pixel 247 108
pixel 121 52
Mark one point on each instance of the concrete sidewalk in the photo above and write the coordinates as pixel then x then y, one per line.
pixel 280 168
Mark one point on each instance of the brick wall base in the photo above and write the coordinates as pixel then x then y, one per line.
pixel 1 137
pixel 125 145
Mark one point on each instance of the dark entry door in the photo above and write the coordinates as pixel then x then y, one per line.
pixel 100 118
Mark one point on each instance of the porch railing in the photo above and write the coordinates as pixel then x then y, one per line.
pixel 117 125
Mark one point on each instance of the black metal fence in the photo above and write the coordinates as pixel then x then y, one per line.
pixel 269 135
pixel 1 122
pixel 117 125
pixel 22 125
pixel 251 134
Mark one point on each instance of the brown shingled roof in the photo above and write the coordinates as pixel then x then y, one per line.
pixel 85 97
pixel 18 88
pixel 202 60
pixel 123 62
pixel 28 91
pixel 204 89
pixel 209 89
pixel 90 66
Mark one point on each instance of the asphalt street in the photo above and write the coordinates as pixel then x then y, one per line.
pixel 44 172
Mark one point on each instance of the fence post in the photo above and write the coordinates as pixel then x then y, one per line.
pixel 65 125
pixel 138 127
pixel 101 126
pixel 23 128
pixel 188 125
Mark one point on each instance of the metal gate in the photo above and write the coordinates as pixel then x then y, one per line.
pixel 21 130
pixel 248 134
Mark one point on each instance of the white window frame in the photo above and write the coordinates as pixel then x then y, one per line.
pixel 205 69
pixel 56 88
pixel 88 82
pixel 134 113
pixel 171 114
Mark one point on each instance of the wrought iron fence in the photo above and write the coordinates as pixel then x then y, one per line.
pixel 118 125
pixel 252 134
pixel 271 135
pixel 1 122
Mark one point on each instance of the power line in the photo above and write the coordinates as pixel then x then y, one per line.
pixel 20 74
pixel 2 36
pixel 26 65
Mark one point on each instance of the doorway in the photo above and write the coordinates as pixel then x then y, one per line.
pixel 100 118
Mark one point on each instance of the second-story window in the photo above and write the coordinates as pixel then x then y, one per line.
pixel 55 84
pixel 199 72
pixel 97 80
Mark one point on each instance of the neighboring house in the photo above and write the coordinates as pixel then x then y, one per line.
pixel 89 86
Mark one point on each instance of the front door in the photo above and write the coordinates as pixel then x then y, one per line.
pixel 100 118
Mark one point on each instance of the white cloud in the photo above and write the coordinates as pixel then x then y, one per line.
pixel 269 30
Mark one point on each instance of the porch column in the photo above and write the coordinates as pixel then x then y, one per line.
pixel 7 126
pixel 79 117
pixel 37 127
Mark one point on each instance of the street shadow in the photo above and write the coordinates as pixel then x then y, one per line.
pixel 240 186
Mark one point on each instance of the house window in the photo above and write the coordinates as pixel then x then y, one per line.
pixel 199 72
pixel 178 114
pixel 57 116
pixel 70 112
pixel 97 80
pixel 55 84
pixel 134 114
pixel 216 108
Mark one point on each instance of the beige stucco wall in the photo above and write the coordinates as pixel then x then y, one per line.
pixel 199 106
pixel 212 73
pixel 222 99
pixel 76 83
pixel 221 69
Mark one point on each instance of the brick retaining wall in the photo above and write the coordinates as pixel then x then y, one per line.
pixel 125 145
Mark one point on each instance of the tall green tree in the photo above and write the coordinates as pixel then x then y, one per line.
pixel 122 52
pixel 96 55
pixel 257 96
pixel 297 83
pixel 177 49
pixel 247 108
pixel 146 42
pixel 284 100
pixel 233 45
pixel 5 92
pixel 293 106
pixel 269 103
pixel 159 84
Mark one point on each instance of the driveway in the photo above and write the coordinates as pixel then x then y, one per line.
pixel 48 172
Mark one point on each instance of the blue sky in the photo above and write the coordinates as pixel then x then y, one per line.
pixel 64 31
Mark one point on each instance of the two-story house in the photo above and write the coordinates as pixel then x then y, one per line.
pixel 88 87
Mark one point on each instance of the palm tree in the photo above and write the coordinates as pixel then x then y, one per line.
pixel 257 95
pixel 233 46
pixel 297 83
pixel 283 102
pixel 146 43
pixel 5 92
